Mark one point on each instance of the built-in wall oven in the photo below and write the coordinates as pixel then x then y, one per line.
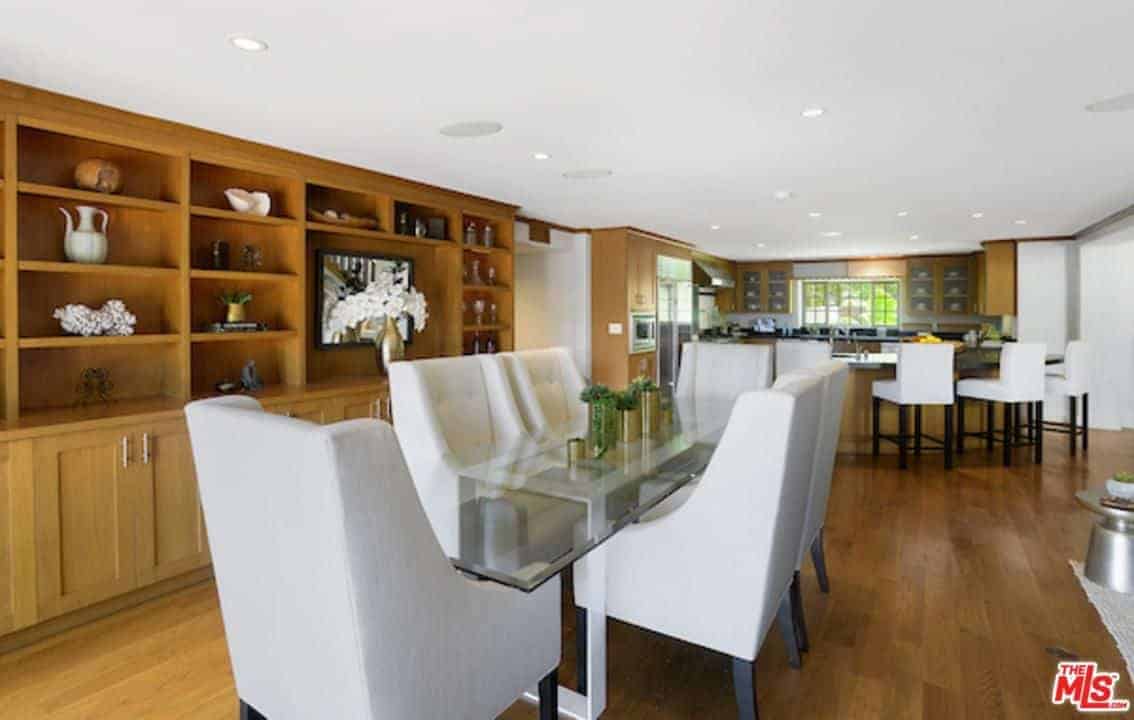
pixel 643 331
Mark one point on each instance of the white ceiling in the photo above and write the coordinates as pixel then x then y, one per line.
pixel 938 108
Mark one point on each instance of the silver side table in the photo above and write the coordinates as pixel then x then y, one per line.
pixel 1110 554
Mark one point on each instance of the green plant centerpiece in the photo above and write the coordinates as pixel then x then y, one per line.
pixel 1121 486
pixel 603 417
pixel 629 405
pixel 647 391
pixel 234 302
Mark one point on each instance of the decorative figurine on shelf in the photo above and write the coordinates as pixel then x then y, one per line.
pixel 488 236
pixel 491 275
pixel 82 243
pixel 94 386
pixel 470 234
pixel 492 314
pixel 419 228
pixel 478 311
pixel 249 202
pixel 490 345
pixel 385 297
pixel 251 258
pixel 250 379
pixel 476 343
pixel 234 302
pixel 474 274
pixel 111 319
pixel 220 255
pixel 98 175
pixel 403 223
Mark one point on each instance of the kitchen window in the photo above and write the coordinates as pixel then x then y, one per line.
pixel 851 303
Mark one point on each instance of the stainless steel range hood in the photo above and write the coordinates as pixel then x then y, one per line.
pixel 709 275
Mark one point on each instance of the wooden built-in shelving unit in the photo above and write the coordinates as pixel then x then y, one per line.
pixel 162 226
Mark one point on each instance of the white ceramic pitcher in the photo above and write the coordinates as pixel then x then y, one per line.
pixel 84 244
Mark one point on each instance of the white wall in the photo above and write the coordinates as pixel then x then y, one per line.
pixel 1043 281
pixel 1106 320
pixel 553 294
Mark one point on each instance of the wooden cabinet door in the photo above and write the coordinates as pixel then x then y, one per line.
pixel 366 405
pixel 86 485
pixel 644 364
pixel 921 286
pixel 1000 278
pixel 8 575
pixel 978 283
pixel 641 272
pixel 171 537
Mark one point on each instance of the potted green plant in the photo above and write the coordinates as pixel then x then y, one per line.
pixel 630 415
pixel 647 391
pixel 603 417
pixel 234 301
pixel 1121 486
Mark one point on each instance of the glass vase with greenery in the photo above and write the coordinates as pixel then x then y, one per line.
pixel 603 417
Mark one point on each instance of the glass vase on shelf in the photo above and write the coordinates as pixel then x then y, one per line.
pixel 474 274
pixel 478 311
pixel 470 234
pixel 490 345
pixel 488 236
pixel 492 314
pixel 464 312
pixel 491 275
pixel 476 343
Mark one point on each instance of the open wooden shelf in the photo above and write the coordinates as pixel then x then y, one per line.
pixel 95 198
pixel 492 288
pixel 78 341
pixel 332 229
pixel 89 269
pixel 242 275
pixel 265 335
pixel 481 250
pixel 232 215
pixel 485 328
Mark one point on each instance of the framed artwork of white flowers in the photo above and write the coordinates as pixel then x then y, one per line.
pixel 355 293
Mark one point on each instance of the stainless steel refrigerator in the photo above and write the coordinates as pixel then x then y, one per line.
pixel 676 312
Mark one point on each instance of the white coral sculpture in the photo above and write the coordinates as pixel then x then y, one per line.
pixel 111 319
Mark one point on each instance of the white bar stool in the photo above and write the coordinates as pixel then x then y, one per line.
pixel 1021 381
pixel 792 355
pixel 1073 382
pixel 925 377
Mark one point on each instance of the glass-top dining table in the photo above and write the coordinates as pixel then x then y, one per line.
pixel 527 515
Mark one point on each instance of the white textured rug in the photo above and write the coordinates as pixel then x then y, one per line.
pixel 1117 612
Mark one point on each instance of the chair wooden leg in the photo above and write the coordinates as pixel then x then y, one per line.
pixel 917 429
pixel 1086 421
pixel 247 712
pixel 787 631
pixel 819 560
pixel 990 423
pixel 797 614
pixel 744 685
pixel 1039 433
pixel 903 435
pixel 581 650
pixel 960 425
pixel 1017 422
pixel 549 696
pixel 1031 422
pixel 876 420
pixel 948 437
pixel 1009 432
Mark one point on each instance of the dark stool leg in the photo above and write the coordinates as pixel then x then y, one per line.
pixel 876 419
pixel 917 429
pixel 549 696
pixel 1009 413
pixel 797 614
pixel 581 650
pixel 1086 420
pixel 1031 422
pixel 1017 421
pixel 903 435
pixel 990 424
pixel 1074 423
pixel 247 712
pixel 960 425
pixel 744 685
pixel 1039 433
pixel 948 437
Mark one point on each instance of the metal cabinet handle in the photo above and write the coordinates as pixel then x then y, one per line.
pixel 125 451
pixel 145 448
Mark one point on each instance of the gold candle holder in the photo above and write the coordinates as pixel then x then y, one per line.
pixel 576 451
pixel 651 412
pixel 631 426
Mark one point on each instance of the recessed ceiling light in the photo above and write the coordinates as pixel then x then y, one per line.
pixel 915 237
pixel 541 156
pixel 475 128
pixel 247 43
pixel 588 174
pixel 832 234
pixel 1118 103
pixel 782 194
pixel 1021 222
pixel 714 227
pixel 760 245
pixel 812 112
pixel 903 213
pixel 814 214
pixel 978 215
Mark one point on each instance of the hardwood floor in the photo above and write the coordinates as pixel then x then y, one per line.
pixel 946 592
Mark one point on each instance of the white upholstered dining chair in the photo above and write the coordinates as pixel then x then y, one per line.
pixel 722 589
pixel 924 377
pixel 337 601
pixel 719 373
pixel 833 374
pixel 547 385
pixel 792 355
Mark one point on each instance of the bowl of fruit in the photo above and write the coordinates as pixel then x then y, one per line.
pixel 1121 485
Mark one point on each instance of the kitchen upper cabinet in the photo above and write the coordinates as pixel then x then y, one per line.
pixel 643 364
pixel 642 271
pixel 922 286
pixel 956 276
pixel 751 291
pixel 171 525
pixel 999 278
pixel 86 528
pixel 765 287
pixel 777 288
